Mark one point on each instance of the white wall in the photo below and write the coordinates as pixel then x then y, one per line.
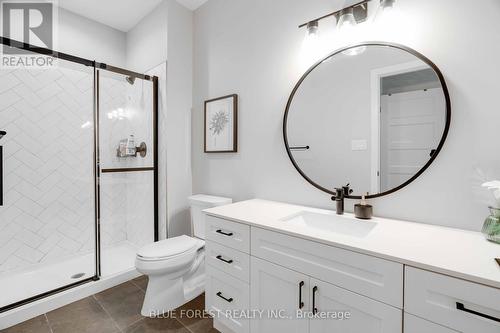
pixel 253 48
pixel 89 39
pixel 147 41
pixel 166 35
pixel 179 103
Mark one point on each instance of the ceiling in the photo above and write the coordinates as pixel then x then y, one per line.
pixel 192 4
pixel 119 14
pixel 411 81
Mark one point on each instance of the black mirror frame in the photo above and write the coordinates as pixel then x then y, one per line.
pixel 433 157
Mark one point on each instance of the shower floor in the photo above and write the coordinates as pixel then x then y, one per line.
pixel 20 285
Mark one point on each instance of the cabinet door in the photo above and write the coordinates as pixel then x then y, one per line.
pixel 280 293
pixel 340 310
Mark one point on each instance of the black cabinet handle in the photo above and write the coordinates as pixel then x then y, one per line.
pixel 301 303
pixel 462 307
pixel 224 233
pixel 224 260
pixel 1 175
pixel 315 309
pixel 229 300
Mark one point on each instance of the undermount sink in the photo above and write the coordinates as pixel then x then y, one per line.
pixel 332 223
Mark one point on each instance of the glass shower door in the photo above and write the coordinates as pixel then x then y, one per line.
pixel 127 169
pixel 47 217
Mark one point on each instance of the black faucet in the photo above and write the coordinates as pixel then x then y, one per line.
pixel 340 194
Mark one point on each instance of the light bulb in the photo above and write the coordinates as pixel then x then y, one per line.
pixel 346 26
pixel 311 47
pixel 312 29
pixel 386 10
pixel 346 20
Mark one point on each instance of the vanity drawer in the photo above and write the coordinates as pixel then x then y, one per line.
pixel 369 276
pixel 225 295
pixel 414 324
pixel 232 234
pixel 228 260
pixel 458 304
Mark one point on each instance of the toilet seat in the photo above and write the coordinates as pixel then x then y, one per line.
pixel 168 248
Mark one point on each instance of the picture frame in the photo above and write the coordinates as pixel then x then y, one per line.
pixel 221 125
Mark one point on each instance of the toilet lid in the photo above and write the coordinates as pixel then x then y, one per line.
pixel 168 247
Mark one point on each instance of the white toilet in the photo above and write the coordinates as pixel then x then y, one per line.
pixel 176 266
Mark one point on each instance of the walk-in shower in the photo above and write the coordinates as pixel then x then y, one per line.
pixel 73 209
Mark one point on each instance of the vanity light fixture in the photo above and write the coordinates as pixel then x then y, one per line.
pixel 357 12
pixel 348 18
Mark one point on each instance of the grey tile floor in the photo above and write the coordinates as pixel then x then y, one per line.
pixel 116 310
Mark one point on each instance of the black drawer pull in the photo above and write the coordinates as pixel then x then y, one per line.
pixel 462 307
pixel 315 309
pixel 224 233
pixel 224 260
pixel 301 303
pixel 229 300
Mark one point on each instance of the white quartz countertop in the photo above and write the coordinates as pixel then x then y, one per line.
pixel 454 252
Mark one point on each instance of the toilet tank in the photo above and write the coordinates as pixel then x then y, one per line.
pixel 198 203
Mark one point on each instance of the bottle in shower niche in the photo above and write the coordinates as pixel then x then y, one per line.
pixel 122 149
pixel 130 146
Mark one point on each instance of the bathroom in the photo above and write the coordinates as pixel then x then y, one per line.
pixel 109 161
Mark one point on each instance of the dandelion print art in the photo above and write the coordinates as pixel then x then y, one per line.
pixel 220 122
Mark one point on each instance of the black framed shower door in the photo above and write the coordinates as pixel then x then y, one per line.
pixel 21 149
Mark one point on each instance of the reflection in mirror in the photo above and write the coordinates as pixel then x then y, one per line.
pixel 373 119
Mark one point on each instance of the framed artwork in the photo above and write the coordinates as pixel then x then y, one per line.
pixel 221 125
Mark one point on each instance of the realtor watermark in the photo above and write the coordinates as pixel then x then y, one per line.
pixel 30 24
pixel 278 314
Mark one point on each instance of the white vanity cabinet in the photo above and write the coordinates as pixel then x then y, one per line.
pixel 285 282
pixel 305 281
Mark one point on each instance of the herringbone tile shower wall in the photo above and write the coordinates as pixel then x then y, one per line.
pixel 48 211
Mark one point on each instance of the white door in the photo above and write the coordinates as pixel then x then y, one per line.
pixel 411 126
pixel 280 293
pixel 417 325
pixel 340 310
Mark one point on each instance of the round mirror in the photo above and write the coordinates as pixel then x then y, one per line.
pixel 373 115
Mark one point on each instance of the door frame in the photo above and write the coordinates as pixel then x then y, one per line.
pixel 376 76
